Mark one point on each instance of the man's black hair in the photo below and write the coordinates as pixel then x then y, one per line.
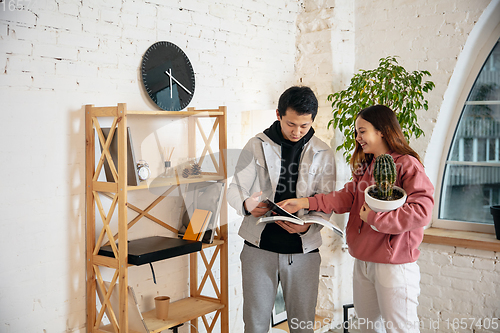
pixel 300 99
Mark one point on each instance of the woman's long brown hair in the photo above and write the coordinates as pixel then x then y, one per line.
pixel 385 121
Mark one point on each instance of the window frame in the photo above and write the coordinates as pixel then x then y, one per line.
pixel 480 42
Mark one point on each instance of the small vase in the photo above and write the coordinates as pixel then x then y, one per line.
pixel 495 211
pixel 168 171
pixel 161 305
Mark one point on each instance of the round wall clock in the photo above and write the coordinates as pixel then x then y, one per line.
pixel 168 76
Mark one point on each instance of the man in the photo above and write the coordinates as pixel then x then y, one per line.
pixel 285 161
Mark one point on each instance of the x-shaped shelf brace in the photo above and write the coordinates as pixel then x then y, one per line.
pixel 210 327
pixel 207 149
pixel 106 220
pixel 105 143
pixel 145 213
pixel 105 304
pixel 208 272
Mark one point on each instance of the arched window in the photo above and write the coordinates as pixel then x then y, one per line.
pixel 471 179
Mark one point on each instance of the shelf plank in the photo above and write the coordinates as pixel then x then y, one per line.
pixel 105 111
pixel 216 242
pixel 155 183
pixel 161 182
pixel 180 312
pixel 105 261
pixel 109 328
pixel 105 186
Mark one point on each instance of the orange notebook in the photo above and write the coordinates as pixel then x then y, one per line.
pixel 197 225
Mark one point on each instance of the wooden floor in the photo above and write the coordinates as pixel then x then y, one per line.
pixel 321 325
pixel 325 328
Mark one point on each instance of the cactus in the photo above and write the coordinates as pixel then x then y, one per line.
pixel 384 173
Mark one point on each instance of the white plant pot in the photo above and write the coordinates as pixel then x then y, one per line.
pixel 378 205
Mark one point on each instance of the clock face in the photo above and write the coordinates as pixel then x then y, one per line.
pixel 143 172
pixel 168 76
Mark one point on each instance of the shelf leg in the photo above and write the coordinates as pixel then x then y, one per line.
pixel 175 329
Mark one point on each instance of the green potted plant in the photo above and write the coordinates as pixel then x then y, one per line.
pixel 389 84
pixel 384 195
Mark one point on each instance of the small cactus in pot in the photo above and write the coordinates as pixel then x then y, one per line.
pixel 384 196
pixel 384 174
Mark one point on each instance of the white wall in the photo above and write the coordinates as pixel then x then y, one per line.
pixel 338 38
pixel 430 35
pixel 460 290
pixel 426 35
pixel 58 56
pixel 325 61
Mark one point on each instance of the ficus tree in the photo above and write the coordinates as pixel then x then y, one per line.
pixel 389 84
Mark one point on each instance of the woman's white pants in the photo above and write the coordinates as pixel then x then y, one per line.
pixel 386 296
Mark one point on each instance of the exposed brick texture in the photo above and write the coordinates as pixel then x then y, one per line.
pixel 56 56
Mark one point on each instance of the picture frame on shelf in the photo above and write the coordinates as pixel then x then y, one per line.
pixel 132 175
pixel 279 310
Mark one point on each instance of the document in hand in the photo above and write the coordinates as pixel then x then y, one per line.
pixel 283 215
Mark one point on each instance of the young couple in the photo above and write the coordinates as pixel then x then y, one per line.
pixel 289 165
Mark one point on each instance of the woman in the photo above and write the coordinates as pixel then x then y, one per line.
pixel 386 276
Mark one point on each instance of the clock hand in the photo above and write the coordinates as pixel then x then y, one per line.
pixel 169 73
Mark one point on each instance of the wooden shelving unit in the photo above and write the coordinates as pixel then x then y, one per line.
pixel 181 311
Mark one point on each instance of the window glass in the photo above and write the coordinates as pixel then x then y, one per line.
pixel 471 182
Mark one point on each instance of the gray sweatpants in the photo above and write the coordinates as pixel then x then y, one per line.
pixel 299 276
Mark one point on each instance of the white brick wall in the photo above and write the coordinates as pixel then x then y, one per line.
pixel 456 282
pixel 426 35
pixel 325 62
pixel 460 289
pixel 57 56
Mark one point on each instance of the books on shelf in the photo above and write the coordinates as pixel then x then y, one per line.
pixel 197 225
pixel 206 195
pixel 279 214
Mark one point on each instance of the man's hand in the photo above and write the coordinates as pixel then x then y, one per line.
pixel 292 227
pixel 294 205
pixel 255 206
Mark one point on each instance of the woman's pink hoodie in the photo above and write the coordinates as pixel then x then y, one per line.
pixel 400 231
